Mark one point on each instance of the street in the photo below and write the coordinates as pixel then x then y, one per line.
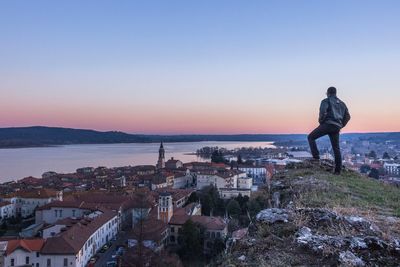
pixel 106 256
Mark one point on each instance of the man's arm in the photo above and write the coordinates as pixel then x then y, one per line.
pixel 346 117
pixel 323 111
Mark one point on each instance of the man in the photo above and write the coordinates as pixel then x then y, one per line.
pixel 333 116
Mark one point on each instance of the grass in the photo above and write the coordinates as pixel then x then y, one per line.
pixel 349 190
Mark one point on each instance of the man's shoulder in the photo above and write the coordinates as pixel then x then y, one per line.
pixel 341 102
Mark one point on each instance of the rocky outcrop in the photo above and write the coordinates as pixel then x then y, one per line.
pixel 287 234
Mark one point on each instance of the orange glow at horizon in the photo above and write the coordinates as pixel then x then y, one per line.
pixel 179 121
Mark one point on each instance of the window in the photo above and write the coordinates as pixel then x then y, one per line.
pixel 55 213
pixel 12 262
pixel 37 264
pixel 26 260
pixel 37 254
pixel 65 262
pixel 172 229
pixel 48 262
pixel 73 213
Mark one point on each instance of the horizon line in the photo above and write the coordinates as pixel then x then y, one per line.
pixel 183 134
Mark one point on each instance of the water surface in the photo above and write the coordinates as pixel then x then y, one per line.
pixel 22 162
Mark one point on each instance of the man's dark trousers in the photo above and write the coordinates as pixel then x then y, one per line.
pixel 333 131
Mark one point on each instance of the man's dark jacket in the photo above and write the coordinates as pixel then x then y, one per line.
pixel 334 111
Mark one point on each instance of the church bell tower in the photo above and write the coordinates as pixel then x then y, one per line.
pixel 161 157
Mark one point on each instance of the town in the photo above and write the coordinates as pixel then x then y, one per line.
pixel 168 212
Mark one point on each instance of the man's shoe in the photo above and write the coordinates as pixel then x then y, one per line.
pixel 315 160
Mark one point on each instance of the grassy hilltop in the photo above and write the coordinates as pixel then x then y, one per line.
pixel 320 219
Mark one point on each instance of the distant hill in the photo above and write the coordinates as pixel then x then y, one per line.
pixel 48 136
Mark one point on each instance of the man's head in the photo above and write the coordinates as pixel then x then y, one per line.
pixel 331 91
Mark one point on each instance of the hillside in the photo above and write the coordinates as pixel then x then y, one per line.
pixel 50 136
pixel 319 219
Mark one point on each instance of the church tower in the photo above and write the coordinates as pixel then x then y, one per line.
pixel 165 207
pixel 161 157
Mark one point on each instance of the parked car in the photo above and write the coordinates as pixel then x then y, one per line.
pixel 111 264
pixel 103 248
pixel 120 251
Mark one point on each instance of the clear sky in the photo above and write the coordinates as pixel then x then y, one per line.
pixel 198 66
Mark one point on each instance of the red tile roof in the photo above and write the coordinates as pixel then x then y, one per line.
pixel 210 223
pixel 64 204
pixel 29 245
pixel 4 203
pixel 74 238
pixel 35 193
pixel 152 229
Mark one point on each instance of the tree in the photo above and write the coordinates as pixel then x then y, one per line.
pixel 242 202
pixel 192 240
pixel 254 207
pixel 210 200
pixel 386 155
pixel 217 156
pixel 372 154
pixel 239 159
pixel 218 247
pixel 233 225
pixel 233 208
pixel 374 173
pixel 193 198
pixel 365 168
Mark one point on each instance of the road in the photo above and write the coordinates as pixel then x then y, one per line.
pixel 106 256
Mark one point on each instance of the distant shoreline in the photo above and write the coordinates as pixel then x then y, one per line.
pixel 74 144
pixel 40 136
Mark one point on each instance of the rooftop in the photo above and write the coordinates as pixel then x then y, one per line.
pixel 74 238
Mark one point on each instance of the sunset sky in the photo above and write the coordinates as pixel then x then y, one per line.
pixel 215 66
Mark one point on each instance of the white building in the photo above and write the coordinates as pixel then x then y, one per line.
pixel 7 210
pixel 24 252
pixel 226 179
pixel 58 210
pixel 300 155
pixel 229 183
pixel 228 193
pixel 392 169
pixel 67 243
pixel 245 182
pixel 25 202
pixel 183 180
pixel 256 172
pixel 75 244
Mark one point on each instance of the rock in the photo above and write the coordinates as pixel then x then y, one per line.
pixel 277 185
pixel 239 234
pixel 347 258
pixel 319 243
pixel 320 217
pixel 273 215
pixel 276 199
pixel 304 235
pixel 358 243
pixel 375 243
pixel 397 244
pixel 242 258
